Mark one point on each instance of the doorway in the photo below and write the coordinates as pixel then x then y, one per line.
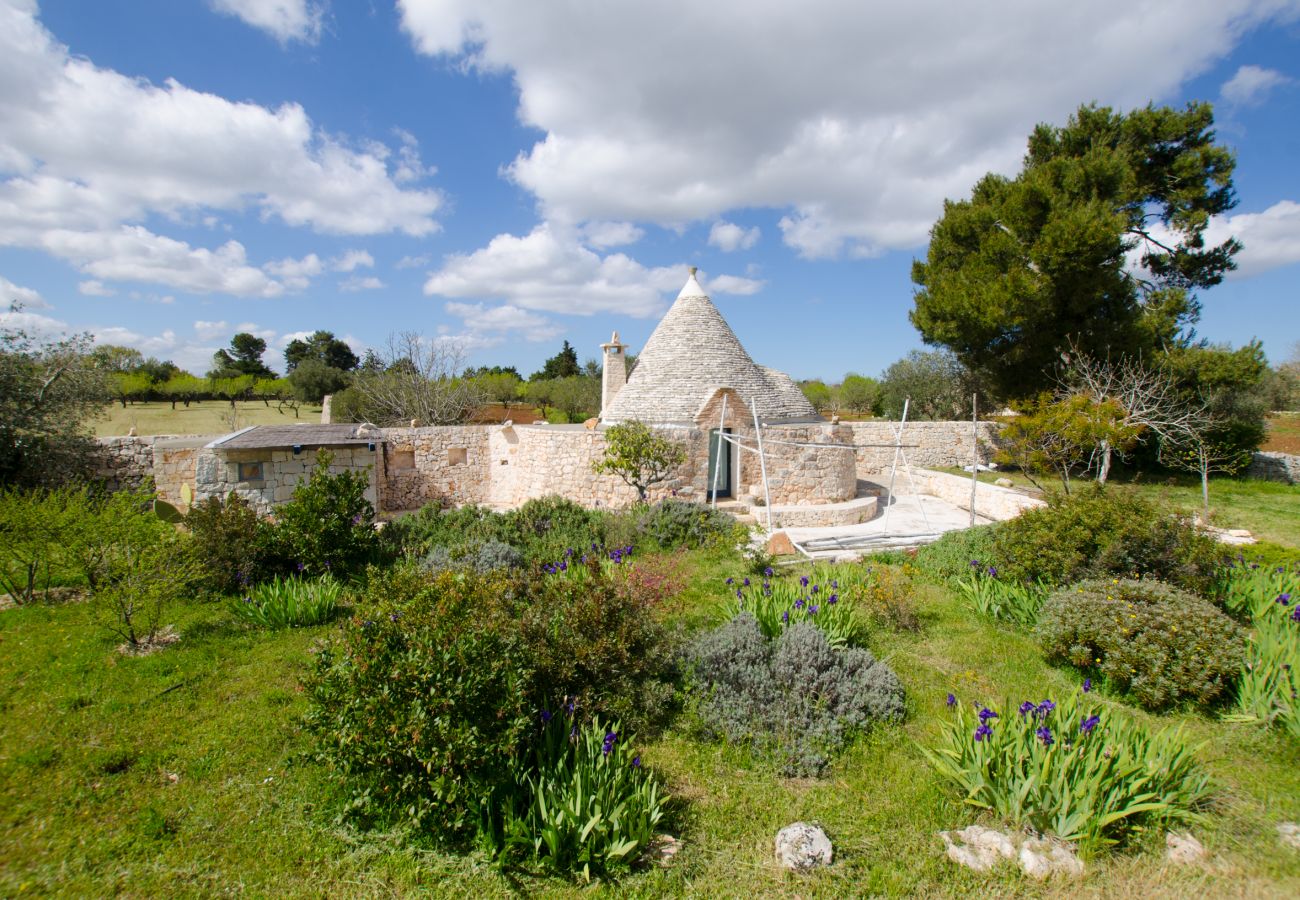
pixel 719 463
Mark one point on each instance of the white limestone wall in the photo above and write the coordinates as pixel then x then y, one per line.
pixel 217 473
pixel 932 444
pixel 991 501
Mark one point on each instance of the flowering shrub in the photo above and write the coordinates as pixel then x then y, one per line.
pixel 582 802
pixel 998 599
pixel 1072 769
pixel 545 527
pixel 328 527
pixel 795 700
pixel 1099 532
pixel 291 603
pixel 1156 643
pixel 671 523
pixel 1251 590
pixel 230 541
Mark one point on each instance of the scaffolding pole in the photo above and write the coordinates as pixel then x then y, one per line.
pixel 762 463
pixel 974 453
pixel 717 457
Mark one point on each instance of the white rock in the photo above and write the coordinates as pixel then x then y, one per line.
pixel 802 846
pixel 1183 849
pixel 1005 482
pixel 1040 858
pixel 979 848
pixel 1289 833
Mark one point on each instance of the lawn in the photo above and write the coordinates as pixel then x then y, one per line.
pixel 187 773
pixel 206 417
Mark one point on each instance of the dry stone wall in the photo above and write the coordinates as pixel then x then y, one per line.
pixel 1284 467
pixel 218 473
pixel 448 465
pixel 928 444
pixel 126 462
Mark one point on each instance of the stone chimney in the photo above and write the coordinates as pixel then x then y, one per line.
pixel 614 372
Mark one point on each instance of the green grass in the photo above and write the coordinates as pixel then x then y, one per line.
pixel 90 742
pixel 208 417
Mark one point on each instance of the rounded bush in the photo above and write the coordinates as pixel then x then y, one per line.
pixel 1158 644
pixel 673 523
pixel 951 555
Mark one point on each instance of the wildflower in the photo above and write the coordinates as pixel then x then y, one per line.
pixel 610 738
pixel 833 599
pixel 798 604
pixel 1045 735
pixel 767 586
pixel 636 761
pixel 546 716
pixel 768 572
pixel 1027 707
pixel 815 588
pixel 982 732
pixel 1087 685
pixel 975 564
pixel 1284 599
pixel 835 584
pixel 812 609
pixel 1295 615
pixel 785 617
pixel 568 552
pixel 952 700
pixel 746 582
pixel 1044 708
pixel 730 581
pixel 993 571
pixel 569 706
pixel 1089 724
pixel 739 592
pixel 564 566
pixel 803 580
pixel 985 714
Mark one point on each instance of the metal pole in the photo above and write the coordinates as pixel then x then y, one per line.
pixel 893 469
pixel 974 453
pixel 762 463
pixel 717 457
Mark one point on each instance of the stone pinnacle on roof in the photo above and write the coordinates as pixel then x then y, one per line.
pixel 691 354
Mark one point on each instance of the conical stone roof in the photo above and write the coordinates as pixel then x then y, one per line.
pixel 691 354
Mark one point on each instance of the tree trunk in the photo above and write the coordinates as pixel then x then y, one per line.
pixel 1205 489
pixel 1104 472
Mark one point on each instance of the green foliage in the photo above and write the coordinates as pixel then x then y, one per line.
pixel 951 556
pixel 583 802
pixel 500 387
pixel 937 384
pixel 48 391
pixel 670 524
pixel 1269 685
pixel 328 525
pixel 1065 436
pixel 1029 264
pixel 859 394
pixel 1075 770
pixel 141 578
pixel 1157 644
pixel 322 347
pixel 639 456
pixel 1005 601
pixel 1100 531
pixel 230 541
pixel 312 379
pixel 544 527
pixel 778 604
pixel 35 528
pixel 562 365
pixel 244 357
pixel 1250 590
pixel 818 394
pixel 484 557
pixel 291 603
pixel 795 700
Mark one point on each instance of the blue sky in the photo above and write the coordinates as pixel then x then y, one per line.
pixel 507 175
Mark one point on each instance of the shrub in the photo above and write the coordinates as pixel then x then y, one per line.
pixel 230 541
pixel 291 603
pixel 487 556
pixel 1105 531
pixel 545 527
pixel 139 580
pixel 415 534
pixel 1154 642
pixel 582 802
pixel 795 700
pixel 950 556
pixel 671 523
pixel 328 526
pixel 34 529
pixel 1073 769
pixel 638 455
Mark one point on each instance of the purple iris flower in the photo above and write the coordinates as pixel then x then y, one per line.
pixel 1044 708
pixel 1027 707
pixel 812 609
pixel 993 571
pixel 982 732
pixel 975 563
pixel 833 599
pixel 1295 615
pixel 952 700
pixel 730 581
pixel 1284 599
pixel 768 571
pixel 546 716
pixel 1045 735
pixel 1087 685
pixel 785 617
pixel 798 604
pixel 816 588
pixel 746 582
pixel 636 762
pixel 803 580
pixel 985 714
pixel 1089 724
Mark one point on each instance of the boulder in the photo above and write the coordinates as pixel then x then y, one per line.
pixel 802 847
pixel 779 544
pixel 977 847
pixel 1289 834
pixel 1183 849
pixel 1041 858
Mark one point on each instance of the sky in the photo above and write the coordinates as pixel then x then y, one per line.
pixel 504 175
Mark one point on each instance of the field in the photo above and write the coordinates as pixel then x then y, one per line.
pixel 1283 433
pixel 208 417
pixel 187 773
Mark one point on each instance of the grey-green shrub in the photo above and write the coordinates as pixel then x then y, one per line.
pixel 672 523
pixel 483 557
pixel 1158 644
pixel 794 700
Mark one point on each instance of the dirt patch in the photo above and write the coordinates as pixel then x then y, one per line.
pixel 163 639
pixel 1283 434
pixel 52 596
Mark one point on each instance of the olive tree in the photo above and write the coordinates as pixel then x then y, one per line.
pixel 639 456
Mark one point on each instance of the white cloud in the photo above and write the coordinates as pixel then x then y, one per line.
pixel 150 345
pixel 352 260
pixel 1251 85
pixel 93 288
pixel 413 262
pixel 1270 239
pixel 551 271
pixel 729 237
pixel 486 320
pixel 27 298
pixel 284 20
pixel 266 334
pixel 33 323
pixel 209 331
pixel 733 284
pixel 855 119
pixel 358 283
pixel 87 154
pixel 611 234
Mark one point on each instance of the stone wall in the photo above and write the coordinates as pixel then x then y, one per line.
pixel 928 444
pixel 449 465
pixel 123 463
pixel 1284 467
pixel 126 462
pixel 991 501
pixel 217 473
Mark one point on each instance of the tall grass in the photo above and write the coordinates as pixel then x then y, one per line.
pixel 289 603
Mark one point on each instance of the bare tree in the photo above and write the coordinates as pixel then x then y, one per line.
pixel 1149 399
pixel 418 382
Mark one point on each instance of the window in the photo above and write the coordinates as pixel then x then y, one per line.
pixel 402 459
pixel 250 471
pixel 457 456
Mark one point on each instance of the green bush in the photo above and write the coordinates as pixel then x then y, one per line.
pixel 230 540
pixel 670 524
pixel 582 802
pixel 1151 641
pixel 35 528
pixel 795 700
pixel 291 603
pixel 328 527
pixel 1005 601
pixel 425 699
pixel 950 556
pixel 487 556
pixel 545 527
pixel 1097 532
pixel 1074 769
pixel 416 534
